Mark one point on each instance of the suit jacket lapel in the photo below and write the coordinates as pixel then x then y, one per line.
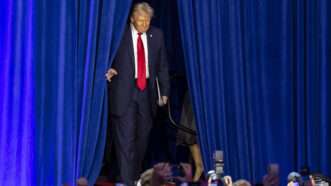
pixel 149 36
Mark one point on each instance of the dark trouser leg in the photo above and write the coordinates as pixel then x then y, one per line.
pixel 144 125
pixel 124 140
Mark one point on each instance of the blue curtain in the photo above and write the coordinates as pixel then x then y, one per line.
pixel 17 95
pixel 53 101
pixel 260 76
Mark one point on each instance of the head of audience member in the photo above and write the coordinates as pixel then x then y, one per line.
pixel 273 169
pixel 294 177
pixel 146 177
pixel 241 182
pixel 161 174
pixel 82 182
pixel 272 176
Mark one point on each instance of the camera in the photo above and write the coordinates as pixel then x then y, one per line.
pixel 215 177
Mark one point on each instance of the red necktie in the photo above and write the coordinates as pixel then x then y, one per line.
pixel 141 80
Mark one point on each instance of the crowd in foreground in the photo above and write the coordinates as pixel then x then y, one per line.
pixel 164 174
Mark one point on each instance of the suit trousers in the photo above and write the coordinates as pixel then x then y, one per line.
pixel 130 134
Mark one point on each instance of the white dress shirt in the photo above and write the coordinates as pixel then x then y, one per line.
pixel 134 40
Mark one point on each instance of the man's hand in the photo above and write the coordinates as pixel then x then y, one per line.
pixel 110 74
pixel 312 181
pixel 165 100
pixel 227 180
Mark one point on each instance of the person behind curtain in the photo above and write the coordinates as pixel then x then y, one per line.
pixel 184 138
pixel 139 62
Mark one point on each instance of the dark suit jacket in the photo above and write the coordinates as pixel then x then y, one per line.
pixel 121 87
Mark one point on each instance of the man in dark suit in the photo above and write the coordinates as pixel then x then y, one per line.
pixel 138 78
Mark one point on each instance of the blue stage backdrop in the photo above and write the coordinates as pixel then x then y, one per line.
pixel 259 73
pixel 53 101
pixel 260 76
pixel 17 94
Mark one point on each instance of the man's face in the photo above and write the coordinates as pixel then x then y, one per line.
pixel 141 21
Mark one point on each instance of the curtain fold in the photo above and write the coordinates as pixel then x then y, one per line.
pixel 54 55
pixel 259 73
pixel 17 94
pixel 98 40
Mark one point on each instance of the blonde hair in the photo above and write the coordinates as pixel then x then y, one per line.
pixel 146 177
pixel 241 182
pixel 143 6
